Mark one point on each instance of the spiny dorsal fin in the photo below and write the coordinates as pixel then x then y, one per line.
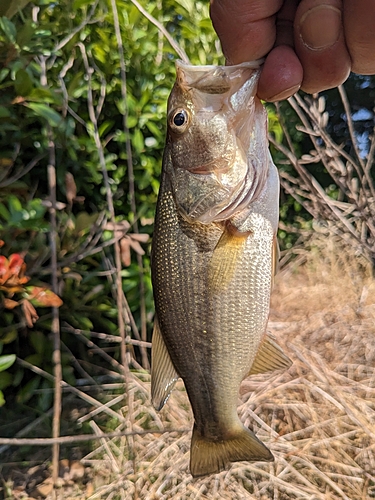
pixel 163 373
pixel 269 357
pixel 224 259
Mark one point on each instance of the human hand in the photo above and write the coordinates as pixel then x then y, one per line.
pixel 307 44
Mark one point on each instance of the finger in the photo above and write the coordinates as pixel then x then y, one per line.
pixel 281 75
pixel 320 45
pixel 246 28
pixel 359 23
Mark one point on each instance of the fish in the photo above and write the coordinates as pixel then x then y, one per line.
pixel 213 257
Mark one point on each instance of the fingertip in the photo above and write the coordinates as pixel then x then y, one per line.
pixel 281 75
pixel 246 28
pixel 359 22
pixel 320 45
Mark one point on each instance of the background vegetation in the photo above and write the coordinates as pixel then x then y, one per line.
pixel 83 90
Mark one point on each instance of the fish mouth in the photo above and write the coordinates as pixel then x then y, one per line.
pixel 211 79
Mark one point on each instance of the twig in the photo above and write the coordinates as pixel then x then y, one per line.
pixel 93 118
pixel 129 158
pixel 106 337
pixel 73 33
pixel 74 390
pixel 22 171
pixel 85 437
pixel 110 455
pixel 161 28
pixel 349 121
pixel 55 325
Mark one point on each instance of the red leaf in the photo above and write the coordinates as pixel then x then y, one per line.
pixel 16 264
pixel 42 297
pixel 31 316
pixel 4 264
pixel 10 304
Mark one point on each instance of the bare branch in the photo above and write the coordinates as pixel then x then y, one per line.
pixel 161 28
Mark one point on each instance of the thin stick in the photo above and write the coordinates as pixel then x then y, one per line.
pixel 74 390
pixel 116 246
pixel 85 437
pixel 55 325
pixel 161 28
pixel 129 159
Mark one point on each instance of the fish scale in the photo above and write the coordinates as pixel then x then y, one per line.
pixel 212 277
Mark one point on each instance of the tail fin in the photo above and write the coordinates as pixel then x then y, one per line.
pixel 210 457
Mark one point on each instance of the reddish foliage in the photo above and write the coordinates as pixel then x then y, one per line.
pixel 13 279
pixel 12 273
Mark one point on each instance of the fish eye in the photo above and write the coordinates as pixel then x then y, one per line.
pixel 179 120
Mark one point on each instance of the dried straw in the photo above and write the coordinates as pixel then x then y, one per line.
pixel 318 418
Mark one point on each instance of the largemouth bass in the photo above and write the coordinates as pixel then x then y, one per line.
pixel 213 255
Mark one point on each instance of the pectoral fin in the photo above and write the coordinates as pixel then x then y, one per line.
pixel 224 259
pixel 269 357
pixel 163 373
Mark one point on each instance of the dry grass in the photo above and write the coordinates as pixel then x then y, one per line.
pixel 318 418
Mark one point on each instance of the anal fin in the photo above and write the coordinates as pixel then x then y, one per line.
pixel 163 373
pixel 269 357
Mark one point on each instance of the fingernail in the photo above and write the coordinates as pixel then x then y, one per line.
pixel 284 94
pixel 320 27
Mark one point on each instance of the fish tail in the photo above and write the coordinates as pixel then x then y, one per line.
pixel 210 457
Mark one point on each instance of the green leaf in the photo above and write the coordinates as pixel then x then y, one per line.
pixel 5 380
pixel 23 84
pixel 154 129
pixel 8 28
pixel 28 389
pixel 3 74
pixel 4 212
pixel 14 204
pixel 15 6
pixel 8 337
pixel 38 341
pixel 2 400
pixel 4 112
pixel 25 34
pixel 138 141
pixel 84 222
pixel 6 361
pixel 53 118
pixel 188 5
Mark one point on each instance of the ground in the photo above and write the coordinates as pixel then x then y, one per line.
pixel 318 417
